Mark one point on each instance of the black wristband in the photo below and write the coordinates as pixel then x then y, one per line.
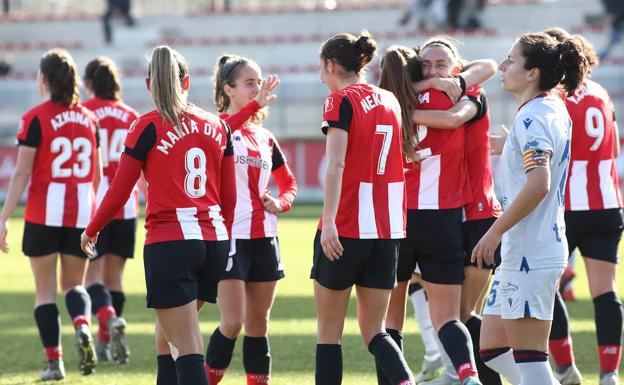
pixel 462 83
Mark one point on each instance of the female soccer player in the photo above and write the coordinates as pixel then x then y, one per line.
pixel 535 159
pixel 58 153
pixel 593 222
pixel 363 212
pixel 247 289
pixel 186 156
pixel 440 164
pixel 116 242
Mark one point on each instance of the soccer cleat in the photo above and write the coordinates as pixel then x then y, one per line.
pixel 55 370
pixel 609 378
pixel 429 370
pixel 118 344
pixel 471 381
pixel 102 350
pixel 444 379
pixel 86 351
pixel 570 376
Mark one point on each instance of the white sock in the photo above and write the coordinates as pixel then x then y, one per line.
pixel 536 373
pixel 506 366
pixel 427 332
pixel 448 364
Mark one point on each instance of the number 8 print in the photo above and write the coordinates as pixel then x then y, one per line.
pixel 195 181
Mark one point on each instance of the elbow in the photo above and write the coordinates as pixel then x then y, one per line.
pixel 490 67
pixel 542 190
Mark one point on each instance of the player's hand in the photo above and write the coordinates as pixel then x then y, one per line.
pixel 272 205
pixel 497 142
pixel 484 251
pixel 330 243
pixel 4 230
pixel 450 86
pixel 266 96
pixel 87 244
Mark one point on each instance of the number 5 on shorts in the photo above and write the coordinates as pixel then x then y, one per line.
pixel 492 297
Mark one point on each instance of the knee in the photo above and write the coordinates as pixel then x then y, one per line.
pixel 231 327
pixel 257 326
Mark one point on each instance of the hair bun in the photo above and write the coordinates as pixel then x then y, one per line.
pixel 224 59
pixel 366 44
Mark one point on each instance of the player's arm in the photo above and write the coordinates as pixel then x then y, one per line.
pixel 474 73
pixel 336 149
pixel 264 98
pixel 227 192
pixel 17 184
pixel 534 190
pixel 286 183
pixel 449 119
pixel 497 142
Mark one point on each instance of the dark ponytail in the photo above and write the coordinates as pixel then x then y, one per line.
pixel 575 65
pixel 61 75
pixel 396 78
pixel 352 53
pixel 102 76
pixel 558 62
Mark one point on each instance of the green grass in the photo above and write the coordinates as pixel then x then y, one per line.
pixel 292 328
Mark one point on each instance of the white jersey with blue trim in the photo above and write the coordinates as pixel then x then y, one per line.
pixel 538 241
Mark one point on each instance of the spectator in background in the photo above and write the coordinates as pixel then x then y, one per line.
pixel 123 7
pixel 5 67
pixel 227 5
pixel 431 14
pixel 615 10
pixel 464 13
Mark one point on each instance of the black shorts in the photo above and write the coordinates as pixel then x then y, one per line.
pixel 364 262
pixel 177 272
pixel 40 240
pixel 596 233
pixel 117 238
pixel 435 241
pixel 254 260
pixel 473 232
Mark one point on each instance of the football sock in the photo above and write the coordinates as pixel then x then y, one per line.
pixel 256 359
pixel 390 359
pixel 486 375
pixel 502 361
pixel 49 326
pixel 328 364
pixel 397 337
pixel 533 367
pixel 421 313
pixel 78 305
pixel 560 341
pixel 218 356
pixel 608 318
pixel 101 306
pixel 190 370
pixel 446 361
pixel 119 299
pixel 166 370
pixel 456 341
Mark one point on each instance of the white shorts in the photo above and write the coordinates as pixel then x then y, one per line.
pixel 517 294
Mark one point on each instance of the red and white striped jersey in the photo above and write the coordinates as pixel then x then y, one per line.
pixel 439 180
pixel 114 118
pixel 372 201
pixel 61 189
pixel 256 156
pixel 592 177
pixel 184 174
pixel 484 203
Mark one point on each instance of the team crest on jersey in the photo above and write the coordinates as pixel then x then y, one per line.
pixel 329 104
pixel 527 122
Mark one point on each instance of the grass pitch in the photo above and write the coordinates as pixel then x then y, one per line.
pixel 292 328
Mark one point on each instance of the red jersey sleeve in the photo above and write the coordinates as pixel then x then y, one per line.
pixel 29 131
pixel 140 140
pixel 235 121
pixel 337 112
pixel 117 195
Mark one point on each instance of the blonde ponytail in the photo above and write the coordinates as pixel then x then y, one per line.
pixel 166 70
